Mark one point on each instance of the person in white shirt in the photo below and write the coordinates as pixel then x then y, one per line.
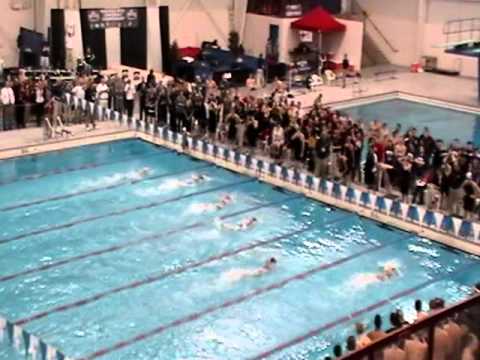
pixel 130 92
pixel 103 93
pixel 251 83
pixel 278 140
pixel 78 92
pixel 40 100
pixel 7 102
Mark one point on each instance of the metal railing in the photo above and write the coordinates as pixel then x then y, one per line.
pixel 368 20
pixel 465 313
pixel 463 29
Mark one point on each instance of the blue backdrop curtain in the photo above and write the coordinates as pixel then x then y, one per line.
pixel 95 40
pixel 133 42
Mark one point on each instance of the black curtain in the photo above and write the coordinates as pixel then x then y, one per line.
pixel 133 42
pixel 57 46
pixel 164 18
pixel 95 40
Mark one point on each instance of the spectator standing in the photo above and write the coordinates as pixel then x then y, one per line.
pixel 129 97
pixel 213 116
pixel 377 333
pixel 362 339
pixel 345 68
pixel 118 89
pixel 78 92
pixel 370 168
pixel 7 111
pixel 163 101
pixel 455 195
pixel 322 154
pixel 40 101
pixel 102 93
pixel 19 89
pixel 151 79
pixel 471 191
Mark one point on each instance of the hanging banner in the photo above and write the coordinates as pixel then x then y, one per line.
pixel 293 10
pixel 305 36
pixel 120 17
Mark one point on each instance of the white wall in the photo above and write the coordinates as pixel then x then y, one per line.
pixel 257 31
pixel 99 4
pixel 113 48
pixel 438 13
pixel 192 22
pixel 257 28
pixel 10 23
pixel 349 42
pixel 154 50
pixel 397 20
pixel 72 18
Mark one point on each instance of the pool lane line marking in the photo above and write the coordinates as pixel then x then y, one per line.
pixel 92 165
pixel 121 212
pixel 98 189
pixel 317 331
pixel 229 303
pixel 143 240
pixel 153 278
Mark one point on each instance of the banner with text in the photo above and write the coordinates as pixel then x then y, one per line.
pixel 105 18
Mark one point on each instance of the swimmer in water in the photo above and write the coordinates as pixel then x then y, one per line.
pixel 243 225
pixel 143 172
pixel 388 272
pixel 219 205
pixel 224 201
pixel 240 274
pixel 194 180
pixel 267 267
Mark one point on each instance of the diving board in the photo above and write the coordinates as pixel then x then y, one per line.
pixel 451 45
pixel 470 50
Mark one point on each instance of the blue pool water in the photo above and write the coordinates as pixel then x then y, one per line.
pixel 439 120
pixel 103 264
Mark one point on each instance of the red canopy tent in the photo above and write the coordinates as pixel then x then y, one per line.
pixel 320 20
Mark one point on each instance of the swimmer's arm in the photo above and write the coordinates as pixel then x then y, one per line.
pixel 233 227
pixel 259 272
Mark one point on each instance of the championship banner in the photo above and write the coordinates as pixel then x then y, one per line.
pixel 293 10
pixel 120 17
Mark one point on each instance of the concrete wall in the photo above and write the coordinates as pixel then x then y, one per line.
pixel 257 28
pixel 397 20
pixel 10 23
pixel 349 42
pixel 257 31
pixel 192 22
pixel 438 13
pixel 72 21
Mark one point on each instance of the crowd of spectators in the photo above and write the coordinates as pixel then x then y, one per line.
pixel 408 163
pixel 456 338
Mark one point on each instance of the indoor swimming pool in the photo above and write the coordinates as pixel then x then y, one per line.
pixel 126 250
pixel 420 115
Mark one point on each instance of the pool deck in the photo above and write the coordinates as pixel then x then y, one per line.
pixel 458 90
pixel 30 141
